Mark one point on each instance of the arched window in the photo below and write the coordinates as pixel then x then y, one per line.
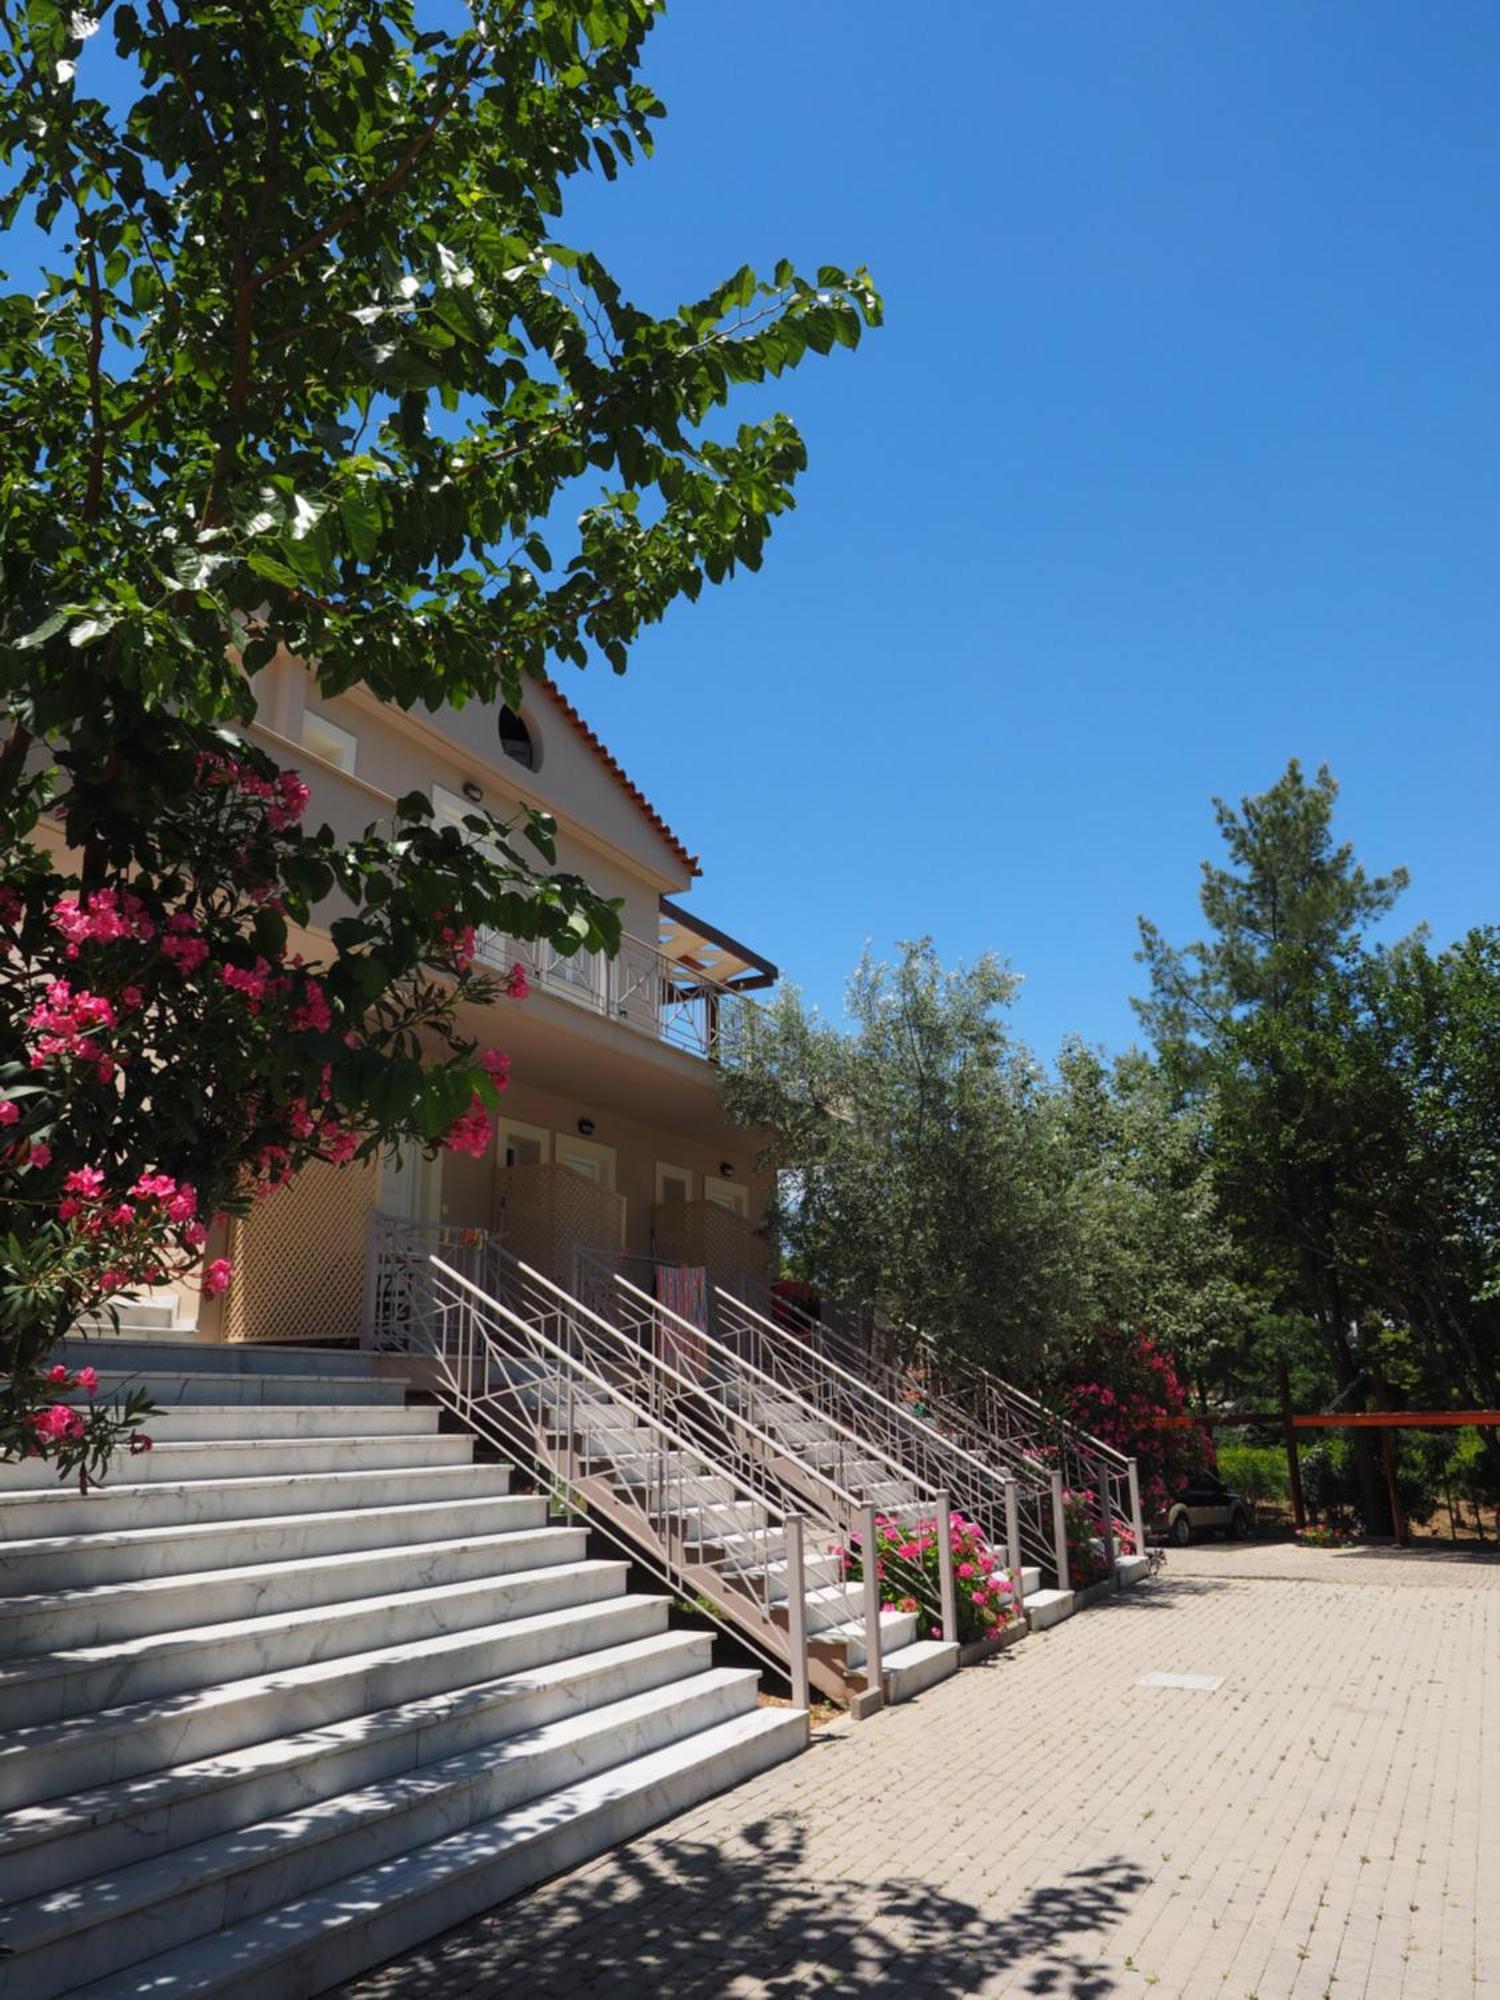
pixel 515 740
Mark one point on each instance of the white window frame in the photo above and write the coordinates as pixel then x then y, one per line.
pixel 588 1149
pixel 665 1171
pixel 340 746
pixel 715 1188
pixel 539 1134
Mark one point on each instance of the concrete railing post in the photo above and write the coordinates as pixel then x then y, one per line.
pixel 948 1589
pixel 1060 1533
pixel 1137 1519
pixel 871 1550
pixel 796 1612
pixel 1013 1541
pixel 1107 1519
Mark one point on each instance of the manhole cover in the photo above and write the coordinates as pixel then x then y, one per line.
pixel 1200 1683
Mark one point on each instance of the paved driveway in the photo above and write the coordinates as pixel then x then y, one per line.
pixel 1323 1821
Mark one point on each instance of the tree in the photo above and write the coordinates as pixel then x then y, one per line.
pixel 1150 1243
pixel 309 371
pixel 1258 1022
pixel 914 1155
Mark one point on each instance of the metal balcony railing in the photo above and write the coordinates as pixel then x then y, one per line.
pixel 640 986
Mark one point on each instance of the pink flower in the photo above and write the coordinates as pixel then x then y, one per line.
pixel 215 1282
pixel 41 1153
pixel 57 1375
pixel 140 1441
pixel 472 1132
pixel 966 1569
pixel 496 1067
pixel 195 1235
pixel 312 1011
pixel 155 1187
pixel 87 1181
pixel 183 1206
pixel 88 1381
pixel 57 1423
pixel 186 953
pixel 9 1111
pixel 516 985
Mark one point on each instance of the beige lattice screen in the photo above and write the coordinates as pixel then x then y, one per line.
pixel 299 1258
pixel 729 1248
pixel 547 1211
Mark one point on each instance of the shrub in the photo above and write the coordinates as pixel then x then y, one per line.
pixel 1257 1471
pixel 907 1563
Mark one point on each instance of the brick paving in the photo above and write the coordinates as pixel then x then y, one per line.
pixel 1324 1823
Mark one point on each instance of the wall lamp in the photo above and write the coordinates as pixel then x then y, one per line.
pixel 473 791
pixel 726 1170
pixel 586 1128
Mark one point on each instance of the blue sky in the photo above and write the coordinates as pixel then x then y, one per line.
pixel 1179 455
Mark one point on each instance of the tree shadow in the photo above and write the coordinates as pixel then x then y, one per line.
pixel 695 1920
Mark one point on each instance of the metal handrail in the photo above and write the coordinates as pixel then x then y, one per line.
pixel 988 1495
pixel 692 1489
pixel 996 1422
pixel 480 1342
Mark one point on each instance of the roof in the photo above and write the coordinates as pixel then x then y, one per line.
pixel 621 776
pixel 690 942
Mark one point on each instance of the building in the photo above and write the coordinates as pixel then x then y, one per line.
pixel 613 1137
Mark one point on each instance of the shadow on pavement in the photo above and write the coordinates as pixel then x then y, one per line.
pixel 690 1920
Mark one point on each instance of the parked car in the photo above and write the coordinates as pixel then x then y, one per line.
pixel 1206 1504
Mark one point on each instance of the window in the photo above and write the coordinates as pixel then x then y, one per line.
pixel 516 740
pixel 325 739
pixel 674 1185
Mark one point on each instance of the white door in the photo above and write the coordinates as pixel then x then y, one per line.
pixel 595 1163
pixel 674 1185
pixel 727 1194
pixel 522 1145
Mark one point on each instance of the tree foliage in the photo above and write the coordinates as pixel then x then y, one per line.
pixel 916 1164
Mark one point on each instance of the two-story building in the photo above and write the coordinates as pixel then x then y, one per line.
pixel 612 1136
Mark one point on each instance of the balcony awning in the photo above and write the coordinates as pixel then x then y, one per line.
pixel 711 954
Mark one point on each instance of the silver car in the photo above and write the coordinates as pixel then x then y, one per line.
pixel 1205 1504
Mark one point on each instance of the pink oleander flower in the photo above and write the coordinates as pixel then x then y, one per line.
pixel 140 1441
pixel 312 1012
pixel 155 1187
pixel 216 1278
pixel 87 1181
pixel 496 1066
pixel 338 1143
pixel 966 1570
pixel 9 1111
pixel 183 1206
pixel 251 981
pixel 57 1375
pixel 472 1132
pixel 57 1423
pixel 517 986
pixel 186 953
pixel 88 1381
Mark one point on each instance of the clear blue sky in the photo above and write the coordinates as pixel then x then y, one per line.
pixel 1179 455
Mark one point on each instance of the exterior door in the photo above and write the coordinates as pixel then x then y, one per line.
pixel 727 1194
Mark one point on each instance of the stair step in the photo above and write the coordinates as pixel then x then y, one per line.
pixel 51 1760
pixel 45 1847
pixel 170 1386
pixel 52 1686
pixel 202 1357
pixel 898 1629
pixel 63 1939
pixel 201 1422
pixel 1048 1607
pixel 75 1562
pixel 63 1510
pixel 304 1947
pixel 910 1670
pixel 244 1458
pixel 109 1614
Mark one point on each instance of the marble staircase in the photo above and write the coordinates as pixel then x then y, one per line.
pixel 306 1684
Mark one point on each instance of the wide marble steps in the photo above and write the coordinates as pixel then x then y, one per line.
pixel 305 1685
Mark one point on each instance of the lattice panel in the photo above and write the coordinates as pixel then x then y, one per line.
pixel 299 1258
pixel 729 1248
pixel 546 1212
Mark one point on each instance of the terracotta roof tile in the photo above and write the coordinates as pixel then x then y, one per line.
pixel 622 777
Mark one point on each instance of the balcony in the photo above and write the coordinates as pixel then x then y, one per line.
pixel 690 990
